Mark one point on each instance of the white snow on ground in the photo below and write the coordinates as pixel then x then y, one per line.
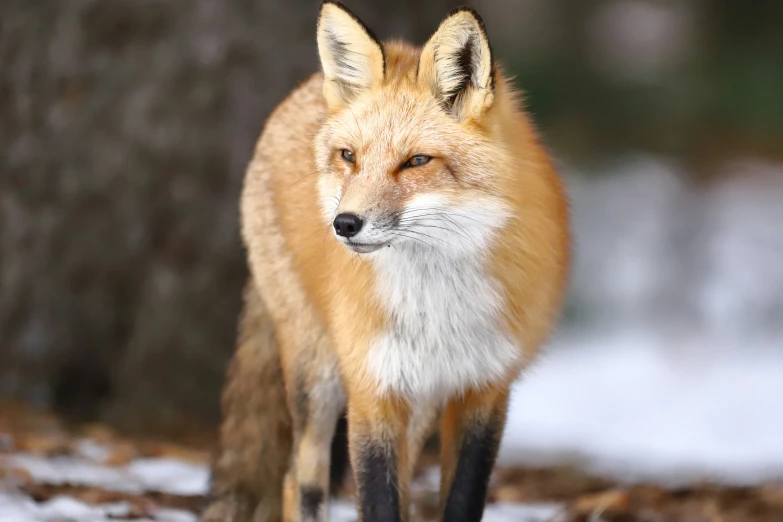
pixel 159 474
pixel 17 508
pixel 342 511
pixel 170 476
pixel 165 475
pixel 653 405
pixel 637 404
pixel 151 474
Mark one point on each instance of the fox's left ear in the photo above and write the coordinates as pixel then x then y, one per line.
pixel 457 64
pixel 352 58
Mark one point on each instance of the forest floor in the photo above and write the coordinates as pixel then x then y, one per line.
pixel 53 473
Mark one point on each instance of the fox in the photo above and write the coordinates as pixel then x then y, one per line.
pixel 408 243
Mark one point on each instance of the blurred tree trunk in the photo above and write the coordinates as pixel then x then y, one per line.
pixel 125 126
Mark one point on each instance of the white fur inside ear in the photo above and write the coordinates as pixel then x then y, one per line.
pixel 462 55
pixel 457 63
pixel 350 56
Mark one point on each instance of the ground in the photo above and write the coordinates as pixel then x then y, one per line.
pixel 53 473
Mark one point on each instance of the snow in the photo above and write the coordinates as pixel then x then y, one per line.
pixel 645 404
pixel 165 475
pixel 170 476
pixel 512 512
pixel 18 508
pixel 73 470
pixel 342 511
pixel 637 403
pixel 159 474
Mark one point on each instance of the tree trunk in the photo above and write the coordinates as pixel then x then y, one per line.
pixel 125 127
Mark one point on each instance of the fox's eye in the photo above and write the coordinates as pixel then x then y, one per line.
pixel 348 156
pixel 417 161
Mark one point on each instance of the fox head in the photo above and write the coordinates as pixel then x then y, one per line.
pixel 411 151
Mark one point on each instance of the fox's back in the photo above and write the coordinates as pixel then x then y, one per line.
pixel 281 219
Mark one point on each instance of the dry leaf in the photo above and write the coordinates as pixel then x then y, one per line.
pixel 612 500
pixel 121 454
pixel 772 495
pixel 15 476
pixel 174 451
pixel 508 493
pixel 46 445
pixel 99 433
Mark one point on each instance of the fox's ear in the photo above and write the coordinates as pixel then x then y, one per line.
pixel 457 64
pixel 352 58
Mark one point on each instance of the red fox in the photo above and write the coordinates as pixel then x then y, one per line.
pixel 409 238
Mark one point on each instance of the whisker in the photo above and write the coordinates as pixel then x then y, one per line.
pixel 435 211
pixel 349 131
pixel 361 134
pixel 458 228
pixel 303 178
pixel 423 234
pixel 396 233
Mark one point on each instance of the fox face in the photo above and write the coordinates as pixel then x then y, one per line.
pixel 407 155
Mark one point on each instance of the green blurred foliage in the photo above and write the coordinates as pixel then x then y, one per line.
pixel 725 97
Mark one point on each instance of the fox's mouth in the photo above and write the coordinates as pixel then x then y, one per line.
pixel 363 248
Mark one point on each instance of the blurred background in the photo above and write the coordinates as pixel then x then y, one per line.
pixel 126 125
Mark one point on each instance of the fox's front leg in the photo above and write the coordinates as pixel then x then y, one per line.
pixel 471 429
pixel 316 400
pixel 377 431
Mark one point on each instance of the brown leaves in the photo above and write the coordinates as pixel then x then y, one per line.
pixel 15 477
pixel 584 497
pixel 25 430
pixel 142 505
pixel 612 501
pixel 594 499
pixel 48 445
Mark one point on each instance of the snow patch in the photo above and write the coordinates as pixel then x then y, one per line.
pixel 652 405
pixel 344 511
pixel 18 508
pixel 154 474
pixel 170 476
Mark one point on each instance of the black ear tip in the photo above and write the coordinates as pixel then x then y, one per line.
pixel 479 21
pixel 335 3
pixel 465 9
pixel 355 18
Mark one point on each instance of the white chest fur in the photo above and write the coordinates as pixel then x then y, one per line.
pixel 445 334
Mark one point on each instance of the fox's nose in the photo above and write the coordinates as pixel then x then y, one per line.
pixel 347 225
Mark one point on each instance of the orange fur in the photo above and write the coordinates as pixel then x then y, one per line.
pixel 327 302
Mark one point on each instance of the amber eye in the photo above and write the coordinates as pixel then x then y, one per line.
pixel 348 156
pixel 417 161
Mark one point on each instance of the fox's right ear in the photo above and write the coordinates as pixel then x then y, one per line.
pixel 456 63
pixel 352 58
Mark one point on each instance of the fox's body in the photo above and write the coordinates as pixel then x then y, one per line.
pixel 409 238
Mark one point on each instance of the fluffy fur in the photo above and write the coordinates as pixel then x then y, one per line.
pixel 448 290
pixel 441 275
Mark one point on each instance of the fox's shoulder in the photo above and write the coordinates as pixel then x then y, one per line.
pixel 295 120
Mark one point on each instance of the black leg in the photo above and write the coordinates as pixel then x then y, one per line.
pixel 340 462
pixel 477 454
pixel 379 499
pixel 311 498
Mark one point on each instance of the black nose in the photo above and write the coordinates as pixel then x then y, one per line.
pixel 347 225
